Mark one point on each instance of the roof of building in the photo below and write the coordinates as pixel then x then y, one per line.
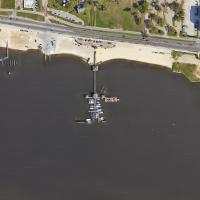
pixel 80 8
pixel 29 3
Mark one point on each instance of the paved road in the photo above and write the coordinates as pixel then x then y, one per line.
pixel 112 36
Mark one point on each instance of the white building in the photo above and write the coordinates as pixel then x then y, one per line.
pixel 29 4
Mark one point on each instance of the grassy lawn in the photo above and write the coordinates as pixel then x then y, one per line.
pixel 31 16
pixel 56 22
pixel 176 54
pixel 39 8
pixel 187 70
pixel 7 3
pixel 112 16
pixel 5 13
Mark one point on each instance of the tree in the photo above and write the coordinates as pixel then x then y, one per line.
pixel 179 15
pixel 143 6
pixel 137 19
pixel 102 7
pixel 158 8
pixel 127 9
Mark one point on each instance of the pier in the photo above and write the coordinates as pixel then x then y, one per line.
pixel 95 111
pixel 94 99
pixel 5 57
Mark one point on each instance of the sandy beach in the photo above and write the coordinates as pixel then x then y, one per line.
pixel 52 43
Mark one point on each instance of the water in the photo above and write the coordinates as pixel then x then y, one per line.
pixel 148 150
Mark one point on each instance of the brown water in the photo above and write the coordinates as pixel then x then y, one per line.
pixel 148 150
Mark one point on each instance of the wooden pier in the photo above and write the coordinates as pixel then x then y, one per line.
pixel 3 58
pixel 111 99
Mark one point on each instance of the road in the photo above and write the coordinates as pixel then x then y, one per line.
pixel 97 34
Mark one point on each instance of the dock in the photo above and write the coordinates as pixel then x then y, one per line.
pixel 95 99
pixel 95 111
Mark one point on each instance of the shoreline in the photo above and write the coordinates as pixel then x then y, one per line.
pixel 52 43
pixel 101 64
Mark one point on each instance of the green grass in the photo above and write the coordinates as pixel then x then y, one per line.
pixel 175 39
pixel 7 3
pixel 172 31
pixel 39 7
pixel 88 16
pixel 54 4
pixel 153 29
pixel 113 16
pixel 56 22
pixel 28 9
pixel 176 54
pixel 187 70
pixel 7 13
pixel 31 16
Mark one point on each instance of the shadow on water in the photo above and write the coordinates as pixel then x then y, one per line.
pixel 149 149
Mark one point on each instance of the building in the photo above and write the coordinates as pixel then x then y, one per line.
pixel 192 18
pixel 29 4
pixel 80 8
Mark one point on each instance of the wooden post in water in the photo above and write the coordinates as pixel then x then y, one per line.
pixel 7 55
pixel 45 57
pixel 94 68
